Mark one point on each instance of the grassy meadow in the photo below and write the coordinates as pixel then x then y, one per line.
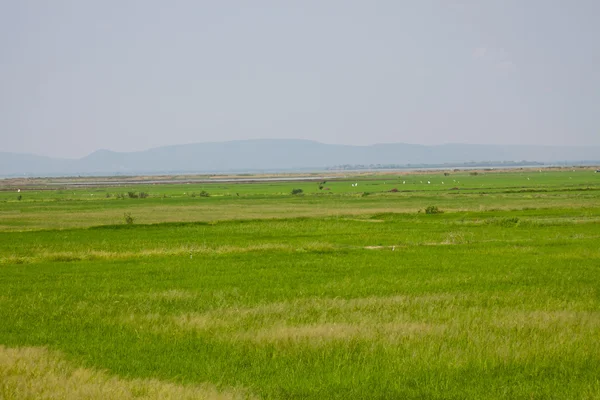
pixel 350 290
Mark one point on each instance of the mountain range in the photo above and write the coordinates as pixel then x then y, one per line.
pixel 281 155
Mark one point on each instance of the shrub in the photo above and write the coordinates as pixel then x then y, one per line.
pixel 128 218
pixel 204 193
pixel 143 195
pixel 19 197
pixel 297 191
pixel 132 195
pixel 474 173
pixel 433 210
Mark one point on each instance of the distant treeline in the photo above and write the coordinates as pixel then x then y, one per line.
pixel 473 164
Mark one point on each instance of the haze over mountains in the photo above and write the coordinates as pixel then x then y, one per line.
pixel 280 155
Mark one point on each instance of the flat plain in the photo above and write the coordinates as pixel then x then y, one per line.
pixel 430 285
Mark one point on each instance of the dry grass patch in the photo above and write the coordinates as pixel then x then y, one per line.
pixel 340 331
pixel 578 320
pixel 88 255
pixel 362 220
pixel 372 317
pixel 36 373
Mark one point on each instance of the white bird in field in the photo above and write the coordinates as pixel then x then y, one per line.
pixel 403 182
pixel 428 182
pixel 18 190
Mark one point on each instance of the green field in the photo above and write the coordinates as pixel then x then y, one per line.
pixel 345 291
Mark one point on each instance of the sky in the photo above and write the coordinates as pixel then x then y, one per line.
pixel 128 75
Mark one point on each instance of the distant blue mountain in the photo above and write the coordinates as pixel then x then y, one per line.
pixel 280 155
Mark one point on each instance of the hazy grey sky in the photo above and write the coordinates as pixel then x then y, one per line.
pixel 76 76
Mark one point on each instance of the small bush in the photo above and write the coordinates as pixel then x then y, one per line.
pixel 474 173
pixel 19 197
pixel 446 173
pixel 132 195
pixel 204 193
pixel 143 195
pixel 297 191
pixel 433 210
pixel 128 218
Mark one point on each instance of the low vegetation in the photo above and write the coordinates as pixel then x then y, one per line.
pixel 433 210
pixel 253 293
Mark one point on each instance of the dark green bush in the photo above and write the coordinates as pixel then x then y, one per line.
pixel 128 218
pixel 433 210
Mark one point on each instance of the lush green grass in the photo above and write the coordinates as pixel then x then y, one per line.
pixel 84 207
pixel 336 295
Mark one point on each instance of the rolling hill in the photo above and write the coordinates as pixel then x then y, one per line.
pixel 280 155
